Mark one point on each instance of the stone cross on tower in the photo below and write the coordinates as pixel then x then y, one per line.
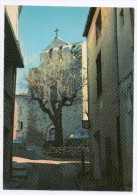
pixel 56 31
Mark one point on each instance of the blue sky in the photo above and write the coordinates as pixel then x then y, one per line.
pixel 36 31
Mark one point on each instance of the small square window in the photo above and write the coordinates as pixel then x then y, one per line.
pixel 20 125
pixel 99 75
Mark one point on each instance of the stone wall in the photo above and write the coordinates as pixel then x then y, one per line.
pixel 111 129
pixel 126 63
pixel 103 110
pixel 72 148
pixel 21 115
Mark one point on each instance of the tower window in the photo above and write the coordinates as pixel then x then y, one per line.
pixel 60 52
pixel 20 125
pixel 50 53
pixel 73 50
pixel 98 25
pixel 99 75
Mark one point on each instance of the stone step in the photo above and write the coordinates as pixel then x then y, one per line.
pixel 17 179
pixel 19 173
pixel 18 168
pixel 19 165
pixel 14 183
pixel 32 182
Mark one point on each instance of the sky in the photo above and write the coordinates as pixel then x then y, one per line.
pixel 36 31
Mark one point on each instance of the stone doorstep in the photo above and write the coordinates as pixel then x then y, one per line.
pixel 90 186
pixel 32 182
pixel 18 168
pixel 21 180
pixel 18 165
pixel 19 174
pixel 14 183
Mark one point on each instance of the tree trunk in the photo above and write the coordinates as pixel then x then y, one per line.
pixel 58 128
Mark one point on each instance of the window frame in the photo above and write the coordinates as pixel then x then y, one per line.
pixel 121 15
pixel 99 74
pixel 20 125
pixel 98 25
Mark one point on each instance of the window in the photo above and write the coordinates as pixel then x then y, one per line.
pixel 50 53
pixel 73 50
pixel 99 75
pixel 20 125
pixel 60 52
pixel 98 25
pixel 121 18
pixel 14 80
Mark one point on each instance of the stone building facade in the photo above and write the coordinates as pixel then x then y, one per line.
pixel 12 60
pixel 109 33
pixel 72 116
pixel 125 40
pixel 21 116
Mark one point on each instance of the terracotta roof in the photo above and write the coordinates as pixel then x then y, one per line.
pixel 88 22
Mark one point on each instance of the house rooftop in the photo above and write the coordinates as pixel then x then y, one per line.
pixel 57 42
pixel 88 22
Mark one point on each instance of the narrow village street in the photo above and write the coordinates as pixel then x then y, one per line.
pixel 68 98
